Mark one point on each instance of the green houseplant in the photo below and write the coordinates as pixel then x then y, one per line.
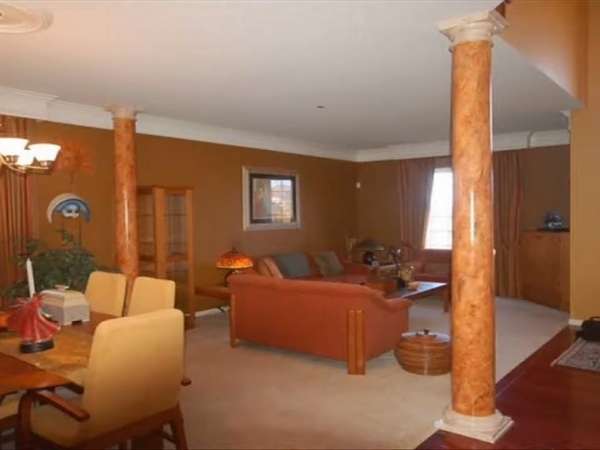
pixel 70 265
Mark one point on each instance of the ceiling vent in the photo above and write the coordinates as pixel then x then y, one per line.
pixel 17 19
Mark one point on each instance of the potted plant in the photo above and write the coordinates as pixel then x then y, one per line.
pixel 69 265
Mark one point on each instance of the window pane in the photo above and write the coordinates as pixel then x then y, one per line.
pixel 281 201
pixel 439 225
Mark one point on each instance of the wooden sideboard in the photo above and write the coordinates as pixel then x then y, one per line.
pixel 544 267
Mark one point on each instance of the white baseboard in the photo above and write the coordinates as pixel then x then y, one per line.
pixel 575 322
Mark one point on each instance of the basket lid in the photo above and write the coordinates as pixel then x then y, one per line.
pixel 426 338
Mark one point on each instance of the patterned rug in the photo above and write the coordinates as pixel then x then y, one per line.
pixel 581 355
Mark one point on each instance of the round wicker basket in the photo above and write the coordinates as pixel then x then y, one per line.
pixel 424 353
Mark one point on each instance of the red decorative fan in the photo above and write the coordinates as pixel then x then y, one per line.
pixel 35 330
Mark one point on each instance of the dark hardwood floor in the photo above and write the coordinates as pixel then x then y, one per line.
pixel 553 407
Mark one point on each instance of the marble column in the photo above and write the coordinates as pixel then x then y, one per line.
pixel 126 230
pixel 473 412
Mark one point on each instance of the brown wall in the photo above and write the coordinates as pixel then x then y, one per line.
pixel 96 188
pixel 545 188
pixel 546 184
pixel 585 193
pixel 215 172
pixel 327 194
pixel 377 200
pixel 552 35
pixel 331 205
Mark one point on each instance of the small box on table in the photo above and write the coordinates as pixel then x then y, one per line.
pixel 65 306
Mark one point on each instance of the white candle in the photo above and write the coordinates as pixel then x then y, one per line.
pixel 30 281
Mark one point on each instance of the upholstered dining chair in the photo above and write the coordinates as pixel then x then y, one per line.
pixel 133 382
pixel 8 417
pixel 151 294
pixel 106 292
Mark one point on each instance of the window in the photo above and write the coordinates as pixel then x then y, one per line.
pixel 439 224
pixel 270 199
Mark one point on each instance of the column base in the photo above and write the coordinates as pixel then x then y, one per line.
pixel 487 428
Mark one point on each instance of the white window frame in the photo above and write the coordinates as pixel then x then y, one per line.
pixel 246 189
pixel 425 246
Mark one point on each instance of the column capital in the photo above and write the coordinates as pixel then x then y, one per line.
pixel 123 112
pixel 476 27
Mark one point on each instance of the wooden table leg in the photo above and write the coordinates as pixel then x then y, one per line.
pixel 153 441
pixel 446 298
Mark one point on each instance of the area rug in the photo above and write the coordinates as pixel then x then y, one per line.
pixel 582 354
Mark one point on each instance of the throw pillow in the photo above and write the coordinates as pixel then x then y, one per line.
pixel 293 265
pixel 329 264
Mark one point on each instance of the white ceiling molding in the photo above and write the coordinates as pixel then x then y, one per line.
pixel 550 138
pixel 505 141
pixel 163 126
pixel 78 114
pixel 47 107
pixel 17 102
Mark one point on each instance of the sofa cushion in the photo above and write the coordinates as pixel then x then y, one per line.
pixel 329 264
pixel 268 267
pixel 293 265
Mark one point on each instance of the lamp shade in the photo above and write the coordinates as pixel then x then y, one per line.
pixel 234 260
pixel 25 158
pixel 45 152
pixel 12 146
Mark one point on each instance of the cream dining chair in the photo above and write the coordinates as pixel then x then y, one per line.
pixel 151 294
pixel 132 388
pixel 8 417
pixel 106 292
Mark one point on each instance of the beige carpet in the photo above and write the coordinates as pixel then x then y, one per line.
pixel 255 397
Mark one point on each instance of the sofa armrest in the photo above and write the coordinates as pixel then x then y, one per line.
pixel 352 268
pixel 390 304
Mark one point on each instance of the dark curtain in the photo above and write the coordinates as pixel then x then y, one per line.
pixel 15 211
pixel 508 194
pixel 414 182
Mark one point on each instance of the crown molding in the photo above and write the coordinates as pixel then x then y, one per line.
pixel 505 141
pixel 41 106
pixel 22 103
pixel 163 126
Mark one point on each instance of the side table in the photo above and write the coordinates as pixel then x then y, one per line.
pixel 215 295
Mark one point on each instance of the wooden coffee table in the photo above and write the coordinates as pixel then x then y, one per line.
pixel 425 289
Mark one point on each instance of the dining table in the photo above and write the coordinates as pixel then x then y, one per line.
pixel 63 365
pixel 51 368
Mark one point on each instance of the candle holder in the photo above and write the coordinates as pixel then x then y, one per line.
pixel 35 330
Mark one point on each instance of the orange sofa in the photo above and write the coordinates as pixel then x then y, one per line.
pixel 343 321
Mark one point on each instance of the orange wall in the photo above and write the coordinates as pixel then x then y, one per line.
pixel 585 192
pixel 327 194
pixel 552 35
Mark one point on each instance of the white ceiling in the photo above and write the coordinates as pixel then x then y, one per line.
pixel 380 68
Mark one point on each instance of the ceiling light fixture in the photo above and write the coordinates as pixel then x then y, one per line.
pixel 16 156
pixel 18 19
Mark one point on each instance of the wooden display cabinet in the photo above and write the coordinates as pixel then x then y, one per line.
pixel 166 240
pixel 544 266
